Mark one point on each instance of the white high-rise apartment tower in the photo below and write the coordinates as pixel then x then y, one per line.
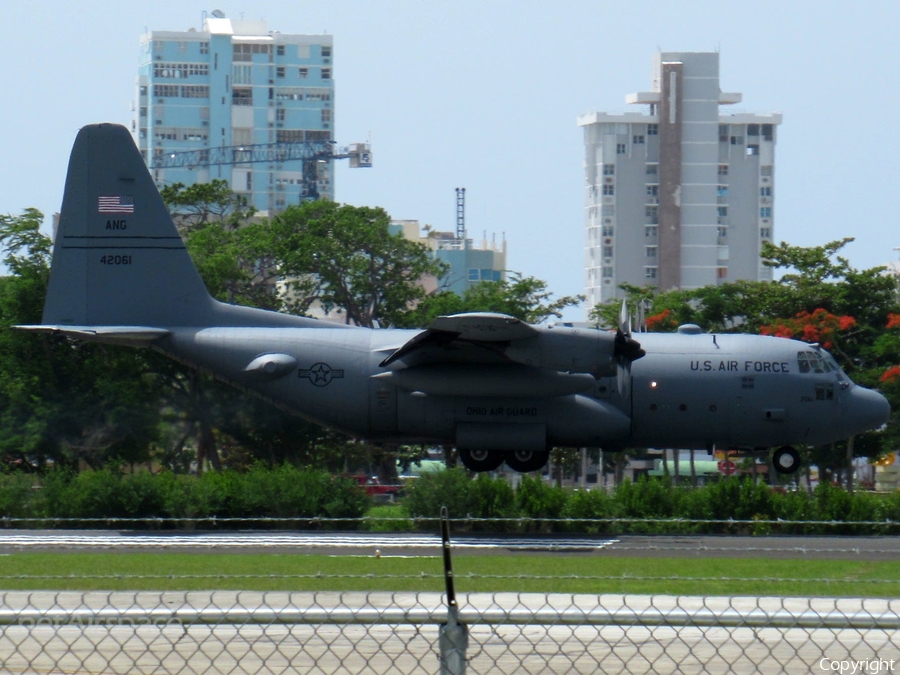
pixel 680 197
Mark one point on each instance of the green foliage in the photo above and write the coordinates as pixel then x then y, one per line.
pixel 388 512
pixel 303 496
pixel 525 298
pixel 281 492
pixel 346 258
pixel 537 499
pixel 428 493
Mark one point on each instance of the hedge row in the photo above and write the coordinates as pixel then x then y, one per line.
pixel 261 492
pixel 646 500
pixel 483 504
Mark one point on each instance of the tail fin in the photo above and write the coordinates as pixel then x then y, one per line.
pixel 118 259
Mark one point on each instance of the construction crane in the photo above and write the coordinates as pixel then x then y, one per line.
pixel 308 152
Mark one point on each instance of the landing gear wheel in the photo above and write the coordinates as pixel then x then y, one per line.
pixel 786 460
pixel 480 460
pixel 526 461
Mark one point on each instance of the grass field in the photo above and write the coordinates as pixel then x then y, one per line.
pixel 669 576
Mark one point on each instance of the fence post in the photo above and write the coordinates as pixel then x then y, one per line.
pixel 453 638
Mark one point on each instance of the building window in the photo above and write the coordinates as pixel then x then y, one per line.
pixel 304 73
pixel 650 231
pixel 607 251
pixel 609 169
pixel 768 132
pixel 620 148
pixel 326 52
pixel 242 96
pixel 326 73
pixel 721 272
pixel 652 214
pixel 279 50
pixel 165 90
pixel 765 233
pixel 753 130
pixel 279 71
pixel 650 251
pixel 652 169
pixel 650 273
pixel 474 274
pixel 766 170
pixel 722 191
pixel 608 230
pixel 765 212
pixel 241 74
pixel 723 211
pixel 279 115
pixel 608 210
pixel 652 190
pixel 637 139
pixel 326 115
pixel 607 272
pixel 204 48
pixel 723 133
pixel 195 91
pixel 723 232
pixel 765 191
pixel 179 70
pixel 652 129
pixel 737 140
pixel 753 149
pixel 609 189
pixel 723 169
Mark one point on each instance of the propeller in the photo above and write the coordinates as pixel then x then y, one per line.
pixel 626 346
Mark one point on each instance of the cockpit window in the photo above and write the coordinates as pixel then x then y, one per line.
pixel 813 362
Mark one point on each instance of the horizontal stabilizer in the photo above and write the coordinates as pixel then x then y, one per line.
pixel 120 335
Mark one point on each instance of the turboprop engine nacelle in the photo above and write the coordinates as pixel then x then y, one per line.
pixel 569 350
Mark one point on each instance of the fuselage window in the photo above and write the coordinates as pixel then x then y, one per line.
pixel 825 392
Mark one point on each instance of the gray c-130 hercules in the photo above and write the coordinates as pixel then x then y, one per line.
pixel 495 387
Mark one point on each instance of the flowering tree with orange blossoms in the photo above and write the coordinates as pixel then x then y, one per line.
pixel 819 326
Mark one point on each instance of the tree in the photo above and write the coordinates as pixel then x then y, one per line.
pixel 346 258
pixel 61 401
pixel 524 298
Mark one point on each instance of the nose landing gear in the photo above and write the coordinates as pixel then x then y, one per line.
pixel 786 460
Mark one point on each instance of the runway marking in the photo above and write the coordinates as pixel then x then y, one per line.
pixel 92 541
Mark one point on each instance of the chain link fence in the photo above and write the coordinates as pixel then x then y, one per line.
pixel 400 633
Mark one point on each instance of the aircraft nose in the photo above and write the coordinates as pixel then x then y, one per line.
pixel 869 409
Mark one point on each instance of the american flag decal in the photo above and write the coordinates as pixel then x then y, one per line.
pixel 115 204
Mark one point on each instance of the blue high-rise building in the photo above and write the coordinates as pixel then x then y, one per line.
pixel 236 84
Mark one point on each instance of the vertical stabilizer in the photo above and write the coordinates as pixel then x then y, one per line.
pixel 118 259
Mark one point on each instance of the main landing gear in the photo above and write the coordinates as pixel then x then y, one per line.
pixel 523 461
pixel 786 460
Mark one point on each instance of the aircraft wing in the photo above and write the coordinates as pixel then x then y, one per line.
pixel 447 336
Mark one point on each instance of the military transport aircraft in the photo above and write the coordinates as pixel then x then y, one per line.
pixel 496 388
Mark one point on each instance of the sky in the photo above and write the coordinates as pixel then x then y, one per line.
pixel 485 94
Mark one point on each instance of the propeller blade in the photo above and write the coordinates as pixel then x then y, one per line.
pixel 624 320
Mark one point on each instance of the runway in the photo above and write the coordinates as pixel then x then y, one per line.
pixel 425 544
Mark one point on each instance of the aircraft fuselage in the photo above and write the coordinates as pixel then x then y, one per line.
pixel 689 391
